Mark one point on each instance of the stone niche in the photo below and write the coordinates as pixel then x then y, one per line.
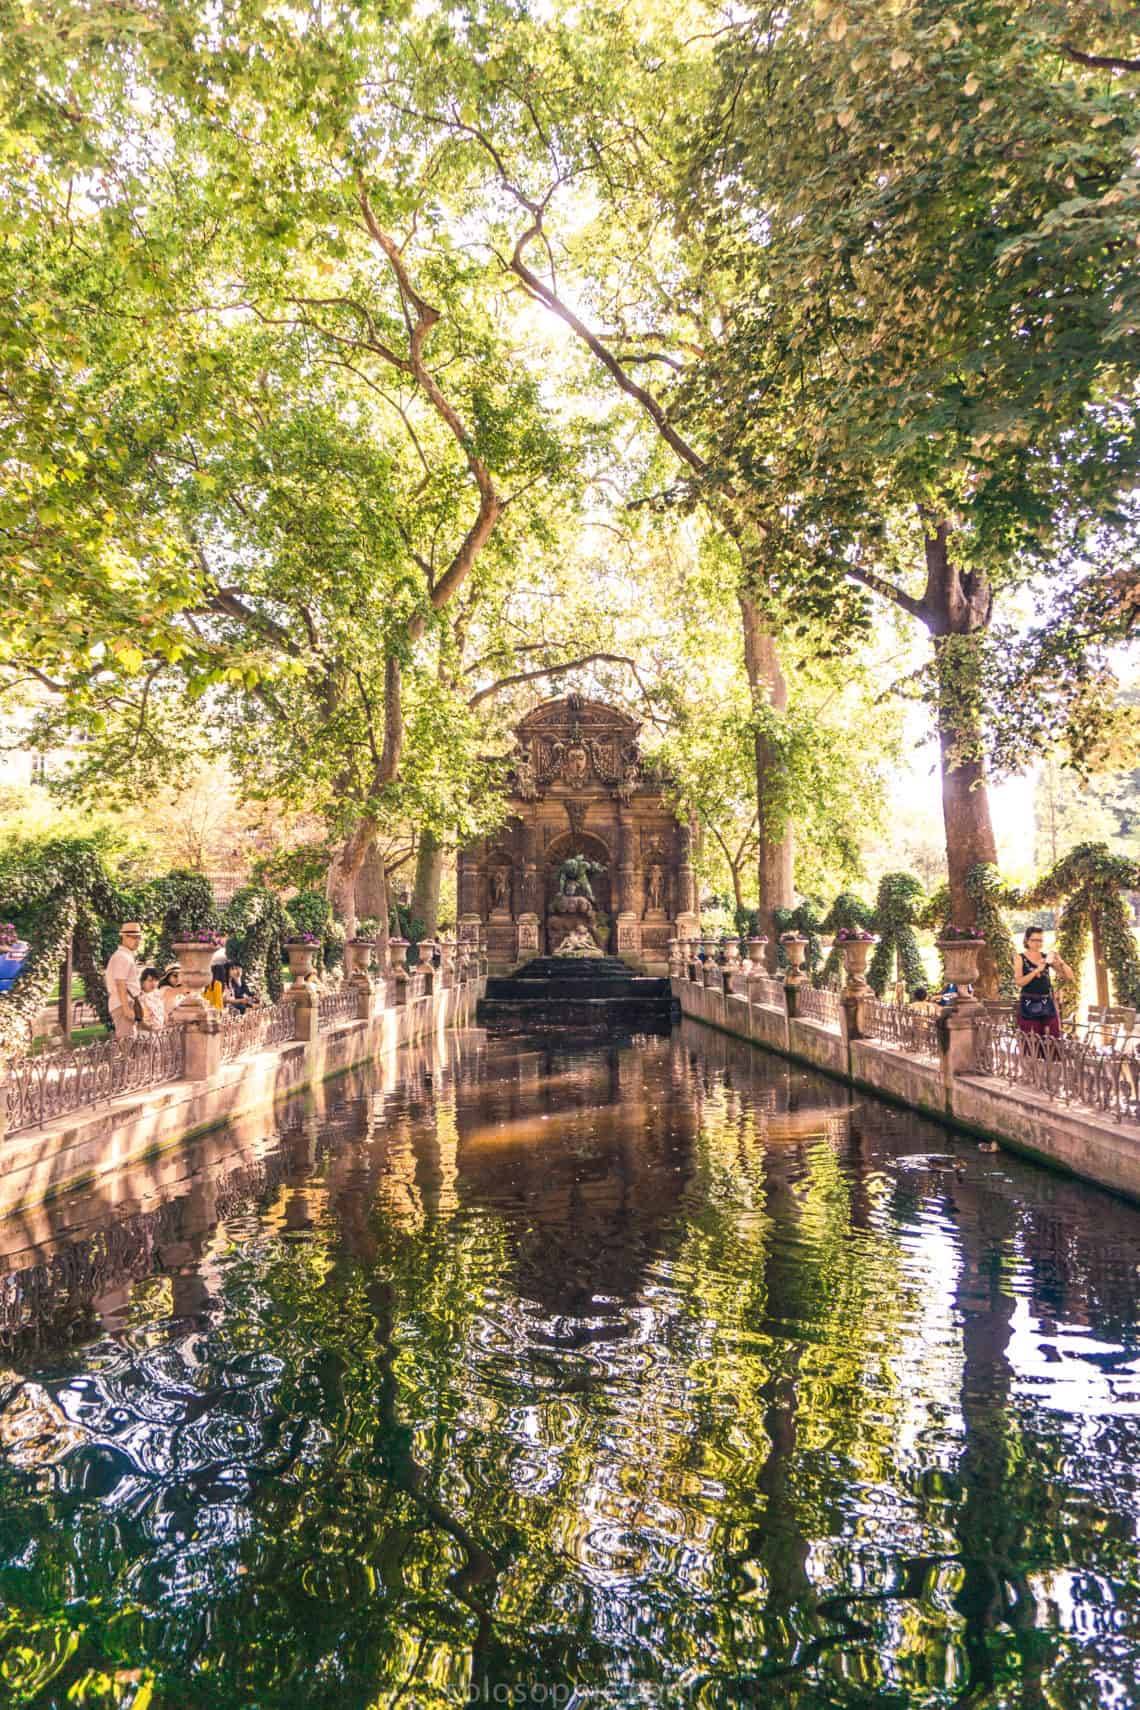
pixel 579 786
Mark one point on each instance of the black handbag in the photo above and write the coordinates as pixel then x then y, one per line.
pixel 1035 1007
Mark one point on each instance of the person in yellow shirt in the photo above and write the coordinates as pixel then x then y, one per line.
pixel 214 993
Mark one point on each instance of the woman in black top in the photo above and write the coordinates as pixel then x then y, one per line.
pixel 1037 1007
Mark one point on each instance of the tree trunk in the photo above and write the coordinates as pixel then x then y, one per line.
pixel 371 889
pixel 956 608
pixel 345 872
pixel 429 873
pixel 1100 966
pixel 775 851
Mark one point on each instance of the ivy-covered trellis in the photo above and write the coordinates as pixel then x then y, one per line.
pixel 1089 883
pixel 257 926
pixel 64 893
pixel 897 907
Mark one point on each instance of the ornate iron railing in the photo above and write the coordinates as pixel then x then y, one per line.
pixel 39 1089
pixel 1075 1071
pixel 764 989
pixel 254 1029
pixel 335 1007
pixel 814 1004
pixel 894 1024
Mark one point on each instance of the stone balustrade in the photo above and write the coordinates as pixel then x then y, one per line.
pixel 1071 1102
pixel 199 1044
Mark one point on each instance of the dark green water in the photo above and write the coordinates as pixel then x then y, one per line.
pixel 647 1374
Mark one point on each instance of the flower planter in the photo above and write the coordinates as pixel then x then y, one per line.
pixel 358 954
pixel 856 953
pixel 425 950
pixel 756 948
pixel 398 949
pixel 195 958
pixel 731 949
pixel 960 959
pixel 795 949
pixel 302 959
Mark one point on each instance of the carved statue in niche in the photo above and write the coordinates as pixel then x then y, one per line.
pixel 630 772
pixel 526 778
pixel 655 887
pixel 500 888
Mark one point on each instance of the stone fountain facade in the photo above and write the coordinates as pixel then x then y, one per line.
pixel 579 786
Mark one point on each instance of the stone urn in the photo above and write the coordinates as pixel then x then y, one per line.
pixel 756 948
pixel 708 949
pixel 795 949
pixel 358 955
pixel 676 959
pixel 855 953
pixel 195 958
pixel 302 959
pixel 731 953
pixel 425 951
pixel 448 950
pixel 398 948
pixel 960 960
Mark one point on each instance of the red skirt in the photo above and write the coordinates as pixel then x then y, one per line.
pixel 1049 1027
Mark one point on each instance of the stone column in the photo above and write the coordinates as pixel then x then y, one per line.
pixel 357 953
pixel 201 1038
pixel 628 932
pixel 686 882
pixel 851 1013
pixel 304 1000
pixel 959 1039
pixel 467 863
pixel 529 892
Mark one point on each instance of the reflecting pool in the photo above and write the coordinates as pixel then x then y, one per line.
pixel 527 1371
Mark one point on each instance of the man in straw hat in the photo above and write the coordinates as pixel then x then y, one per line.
pixel 121 978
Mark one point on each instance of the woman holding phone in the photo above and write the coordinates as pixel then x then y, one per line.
pixel 1037 1010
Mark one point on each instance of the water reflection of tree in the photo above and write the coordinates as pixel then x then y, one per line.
pixel 413 1446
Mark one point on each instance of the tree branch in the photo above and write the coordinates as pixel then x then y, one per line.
pixel 551 671
pixel 1099 61
pixel 539 289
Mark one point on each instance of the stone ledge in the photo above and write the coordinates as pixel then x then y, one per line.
pixel 42 1163
pixel 1080 1141
pixel 900 1075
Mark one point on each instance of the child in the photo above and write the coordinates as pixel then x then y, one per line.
pixel 153 1007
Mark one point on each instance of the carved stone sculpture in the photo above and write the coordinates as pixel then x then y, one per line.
pixel 578 942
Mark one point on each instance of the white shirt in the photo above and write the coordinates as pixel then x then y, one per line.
pixel 154 1010
pixel 121 969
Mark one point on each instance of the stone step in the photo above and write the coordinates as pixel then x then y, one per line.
pixel 611 1013
pixel 642 988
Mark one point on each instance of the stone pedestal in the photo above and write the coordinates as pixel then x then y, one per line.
pixel 304 1000
pixel 960 1055
pixel 851 1012
pixel 201 1038
pixel 526 936
pixel 628 934
pixel 470 926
